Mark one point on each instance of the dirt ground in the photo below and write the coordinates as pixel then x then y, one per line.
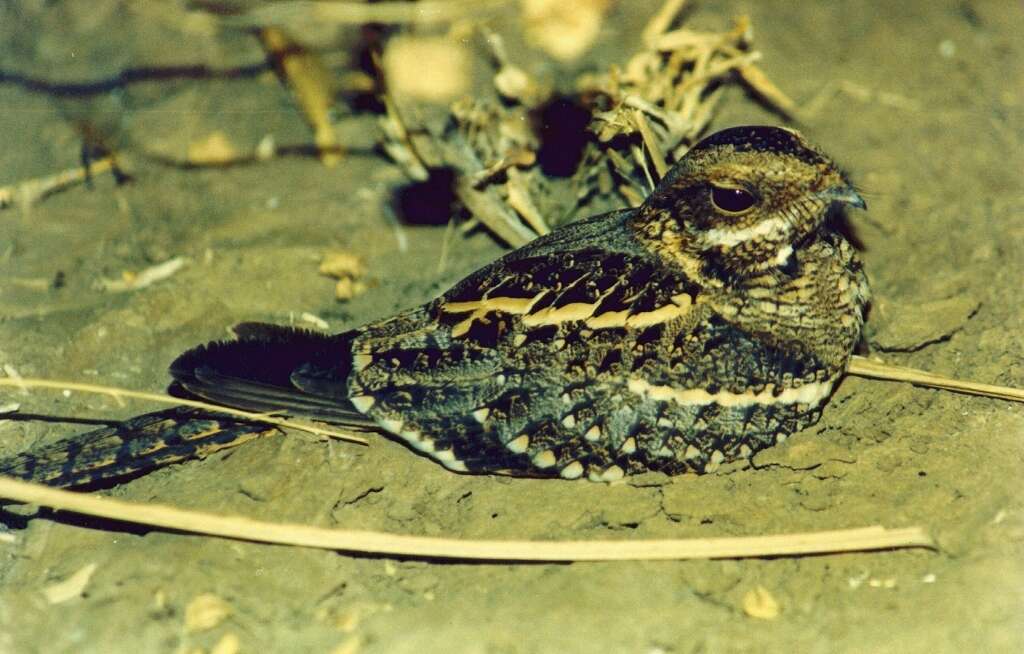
pixel 929 121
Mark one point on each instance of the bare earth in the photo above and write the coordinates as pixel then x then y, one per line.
pixel 930 123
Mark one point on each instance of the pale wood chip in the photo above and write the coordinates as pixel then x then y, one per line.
pixel 71 587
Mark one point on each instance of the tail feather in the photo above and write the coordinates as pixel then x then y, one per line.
pixel 274 368
pixel 269 368
pixel 132 447
pixel 268 354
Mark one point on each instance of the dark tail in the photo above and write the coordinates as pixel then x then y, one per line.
pixel 269 368
pixel 273 368
pixel 132 448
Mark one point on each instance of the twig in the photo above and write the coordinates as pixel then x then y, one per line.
pixel 864 367
pixel 493 212
pixel 145 277
pixel 519 199
pixel 641 160
pixel 759 82
pixel 15 377
pixel 449 232
pixel 368 542
pixel 407 155
pixel 653 149
pixel 304 12
pixel 312 86
pixel 29 192
pixel 662 20
pixel 716 69
pixel 117 393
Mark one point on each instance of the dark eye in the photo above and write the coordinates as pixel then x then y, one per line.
pixel 732 200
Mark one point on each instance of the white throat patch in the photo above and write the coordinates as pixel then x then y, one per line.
pixel 732 237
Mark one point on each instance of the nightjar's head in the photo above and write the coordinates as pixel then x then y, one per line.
pixel 742 200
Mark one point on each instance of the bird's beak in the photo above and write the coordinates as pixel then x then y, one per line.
pixel 845 194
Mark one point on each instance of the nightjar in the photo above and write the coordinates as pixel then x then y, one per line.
pixel 698 328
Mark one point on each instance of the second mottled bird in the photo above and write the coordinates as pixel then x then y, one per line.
pixel 706 324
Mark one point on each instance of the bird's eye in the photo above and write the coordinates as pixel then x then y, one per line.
pixel 732 200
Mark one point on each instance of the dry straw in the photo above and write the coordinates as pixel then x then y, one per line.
pixel 118 393
pixel 863 367
pixel 29 192
pixel 300 13
pixel 369 542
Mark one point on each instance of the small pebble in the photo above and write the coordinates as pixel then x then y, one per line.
pixel 205 612
pixel 759 603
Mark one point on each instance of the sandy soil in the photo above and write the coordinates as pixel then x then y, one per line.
pixel 930 125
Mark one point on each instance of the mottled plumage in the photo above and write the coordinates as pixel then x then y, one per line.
pixel 696 329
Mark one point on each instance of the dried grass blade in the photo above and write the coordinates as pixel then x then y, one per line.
pixel 368 542
pixel 312 87
pixel 864 367
pixel 651 143
pixel 661 21
pixel 31 191
pixel 304 12
pixel 493 213
pixel 759 82
pixel 118 393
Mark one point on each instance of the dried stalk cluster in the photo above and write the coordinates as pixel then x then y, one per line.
pixel 643 116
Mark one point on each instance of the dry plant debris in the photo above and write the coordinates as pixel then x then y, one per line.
pixel 348 269
pixel 133 281
pixel 645 113
pixel 27 193
pixel 211 610
pixel 205 612
pixel 644 116
pixel 663 98
pixel 300 15
pixel 118 393
pixel 70 588
pixel 761 604
pixel 312 86
pixel 873 369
